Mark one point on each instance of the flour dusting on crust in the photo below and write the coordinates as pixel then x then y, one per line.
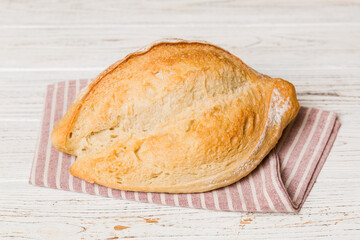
pixel 278 107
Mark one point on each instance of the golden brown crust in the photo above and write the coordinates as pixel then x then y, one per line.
pixel 178 117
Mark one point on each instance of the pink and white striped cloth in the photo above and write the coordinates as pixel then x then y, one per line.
pixel 281 183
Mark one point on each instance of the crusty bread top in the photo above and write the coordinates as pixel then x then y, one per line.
pixel 177 117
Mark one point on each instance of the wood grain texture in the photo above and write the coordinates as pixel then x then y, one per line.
pixel 262 47
pixel 313 44
pixel 174 12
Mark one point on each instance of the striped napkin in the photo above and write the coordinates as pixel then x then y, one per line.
pixel 281 183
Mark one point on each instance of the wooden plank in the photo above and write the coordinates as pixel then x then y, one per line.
pixel 21 109
pixel 46 213
pixel 173 12
pixel 22 93
pixel 282 47
pixel 311 78
pixel 18 141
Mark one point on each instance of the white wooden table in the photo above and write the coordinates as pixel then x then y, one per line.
pixel 315 44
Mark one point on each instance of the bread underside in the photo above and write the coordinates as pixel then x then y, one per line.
pixel 178 117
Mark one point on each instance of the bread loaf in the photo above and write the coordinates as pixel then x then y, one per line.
pixel 178 117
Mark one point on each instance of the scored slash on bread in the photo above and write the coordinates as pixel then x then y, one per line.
pixel 178 117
